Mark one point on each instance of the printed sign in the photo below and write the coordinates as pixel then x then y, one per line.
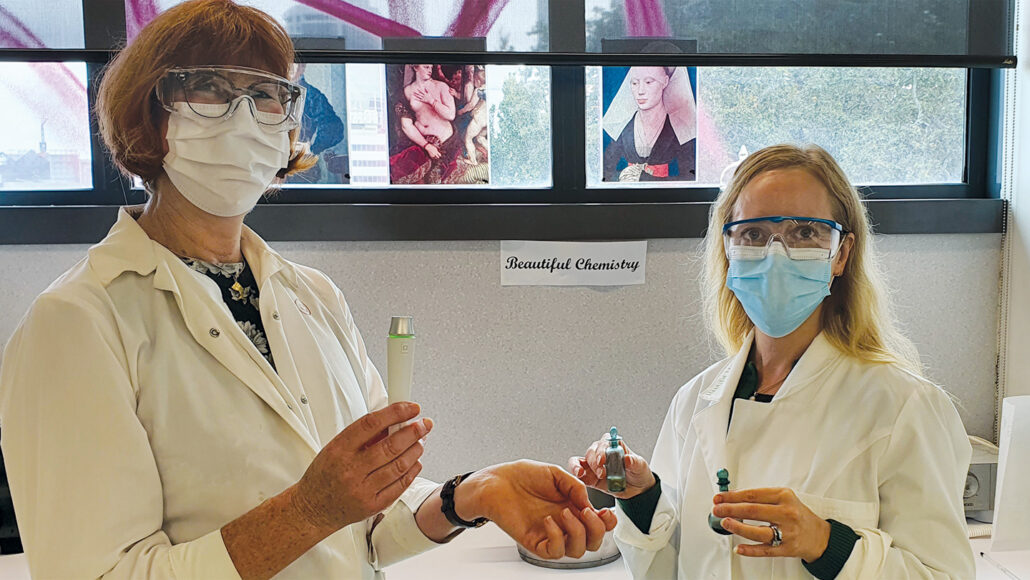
pixel 525 263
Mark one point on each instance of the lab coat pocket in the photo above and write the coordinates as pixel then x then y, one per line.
pixel 857 514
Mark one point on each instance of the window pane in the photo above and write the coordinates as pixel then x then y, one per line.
pixel 323 126
pixel 45 142
pixel 520 125
pixel 366 125
pixel 934 27
pixel 884 126
pixel 508 25
pixel 35 24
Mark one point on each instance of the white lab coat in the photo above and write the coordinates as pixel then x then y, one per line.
pixel 870 445
pixel 137 418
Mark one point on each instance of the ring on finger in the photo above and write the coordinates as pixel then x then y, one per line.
pixel 777 538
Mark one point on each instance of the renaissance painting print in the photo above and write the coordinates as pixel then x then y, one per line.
pixel 649 124
pixel 438 118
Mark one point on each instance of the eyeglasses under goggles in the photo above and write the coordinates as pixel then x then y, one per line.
pixel 802 238
pixel 216 92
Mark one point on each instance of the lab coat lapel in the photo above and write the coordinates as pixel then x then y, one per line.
pixel 711 421
pixel 303 313
pixel 215 330
pixel 819 358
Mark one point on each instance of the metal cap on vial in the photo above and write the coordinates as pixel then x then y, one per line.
pixel 401 326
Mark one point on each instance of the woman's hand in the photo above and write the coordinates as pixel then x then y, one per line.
pixel 423 95
pixel 537 504
pixel 362 471
pixel 590 469
pixel 432 151
pixel 804 534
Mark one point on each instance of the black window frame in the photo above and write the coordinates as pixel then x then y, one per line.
pixel 568 210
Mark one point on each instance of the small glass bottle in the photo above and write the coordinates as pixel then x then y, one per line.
pixel 615 462
pixel 714 521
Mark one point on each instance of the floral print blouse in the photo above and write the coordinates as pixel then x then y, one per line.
pixel 240 293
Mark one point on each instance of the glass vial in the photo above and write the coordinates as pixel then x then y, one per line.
pixel 715 522
pixel 615 462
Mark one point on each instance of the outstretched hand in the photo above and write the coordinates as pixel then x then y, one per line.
pixel 540 506
pixel 591 470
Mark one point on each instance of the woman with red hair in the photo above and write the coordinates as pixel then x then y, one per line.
pixel 212 411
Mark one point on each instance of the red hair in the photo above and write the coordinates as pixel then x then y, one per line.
pixel 194 33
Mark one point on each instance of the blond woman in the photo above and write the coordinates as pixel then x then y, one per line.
pixel 843 461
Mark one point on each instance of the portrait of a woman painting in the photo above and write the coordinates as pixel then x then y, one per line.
pixel 649 124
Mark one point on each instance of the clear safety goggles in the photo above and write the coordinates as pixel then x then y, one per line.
pixel 215 92
pixel 802 238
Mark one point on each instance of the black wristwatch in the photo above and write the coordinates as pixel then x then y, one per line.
pixel 447 507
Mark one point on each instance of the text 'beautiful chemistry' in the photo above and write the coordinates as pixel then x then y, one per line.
pixel 553 264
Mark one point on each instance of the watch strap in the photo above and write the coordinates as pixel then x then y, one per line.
pixel 447 504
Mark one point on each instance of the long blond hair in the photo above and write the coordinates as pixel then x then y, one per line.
pixel 856 316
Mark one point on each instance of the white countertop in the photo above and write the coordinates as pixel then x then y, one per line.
pixel 476 554
pixel 1002 565
pixel 489 553
pixel 14 567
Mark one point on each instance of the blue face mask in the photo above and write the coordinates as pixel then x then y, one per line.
pixel 779 293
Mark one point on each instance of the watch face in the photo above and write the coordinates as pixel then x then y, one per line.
pixel 972 486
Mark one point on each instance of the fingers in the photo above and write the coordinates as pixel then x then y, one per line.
pixel 571 488
pixel 609 518
pixel 394 470
pixel 750 511
pixel 575 534
pixel 761 534
pixel 553 546
pixel 757 495
pixel 374 423
pixel 393 446
pixel 595 528
pixel 761 551
pixel 590 458
pixel 595 460
pixel 636 466
pixel 390 493
pixel 625 448
pixel 579 468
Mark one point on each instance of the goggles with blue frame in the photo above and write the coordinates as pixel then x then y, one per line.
pixel 801 238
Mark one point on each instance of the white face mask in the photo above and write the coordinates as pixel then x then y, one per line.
pixel 223 166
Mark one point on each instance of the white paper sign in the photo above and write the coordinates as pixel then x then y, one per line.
pixel 526 263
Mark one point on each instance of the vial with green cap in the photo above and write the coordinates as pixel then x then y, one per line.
pixel 714 521
pixel 615 462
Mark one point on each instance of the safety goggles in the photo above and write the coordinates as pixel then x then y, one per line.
pixel 802 238
pixel 216 93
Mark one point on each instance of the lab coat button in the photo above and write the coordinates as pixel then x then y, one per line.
pixel 303 399
pixel 214 332
pixel 275 316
